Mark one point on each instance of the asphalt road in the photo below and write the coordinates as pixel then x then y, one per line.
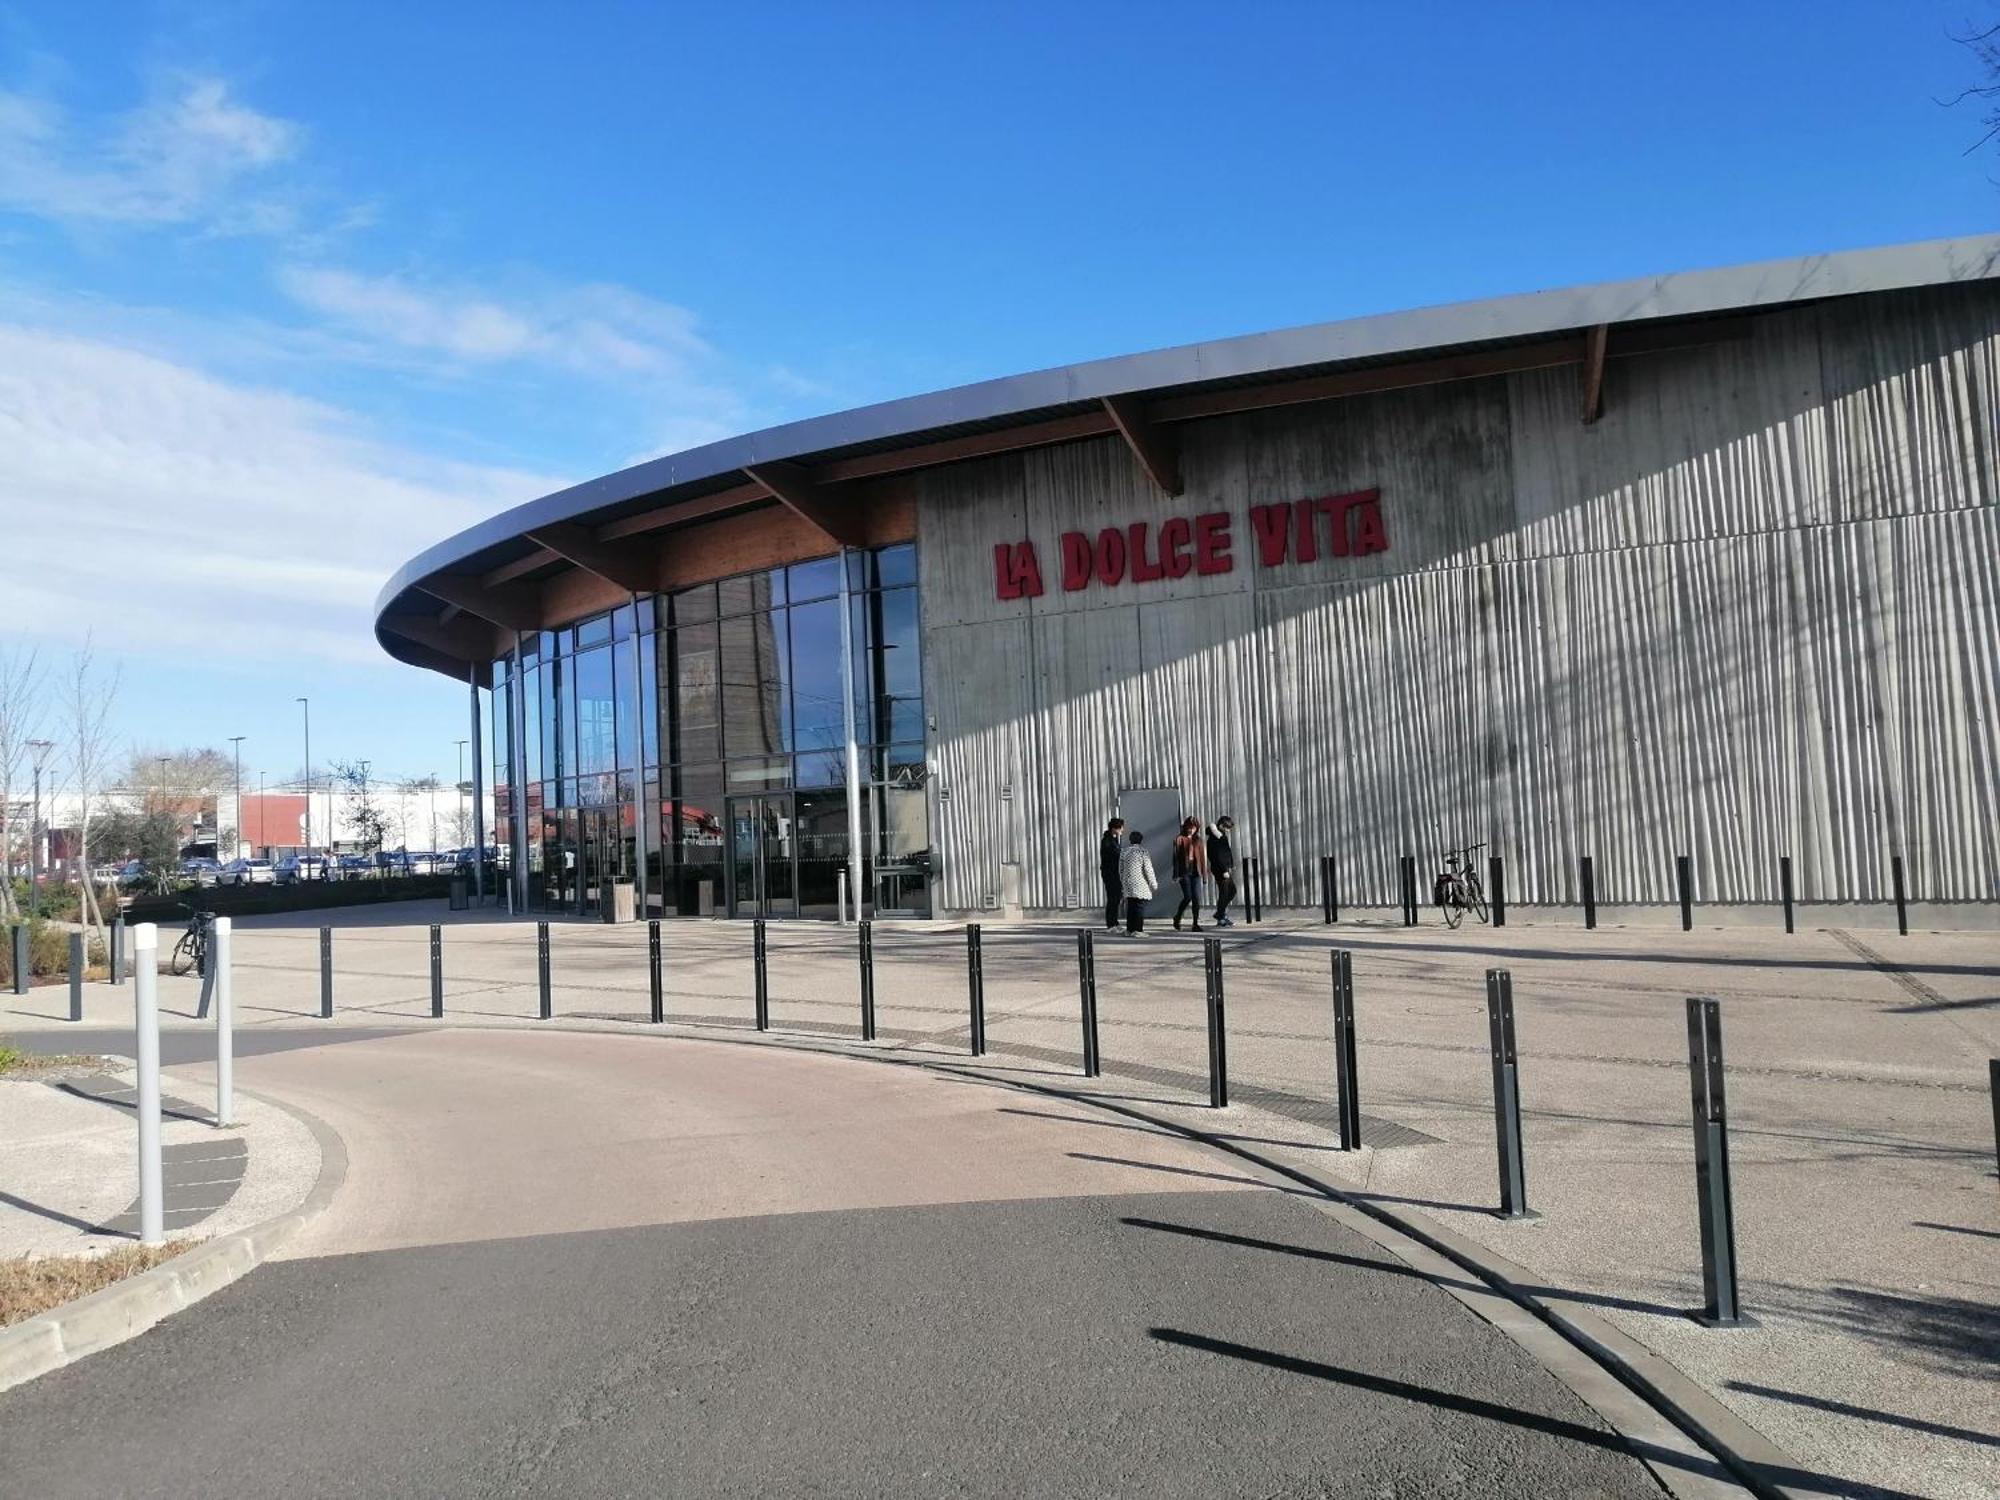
pixel 594 1266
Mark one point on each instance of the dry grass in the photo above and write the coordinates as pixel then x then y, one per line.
pixel 34 1284
pixel 14 1061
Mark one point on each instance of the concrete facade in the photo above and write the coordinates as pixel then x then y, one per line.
pixel 1749 612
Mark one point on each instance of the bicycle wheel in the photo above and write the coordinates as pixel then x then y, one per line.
pixel 1449 903
pixel 1475 898
pixel 184 955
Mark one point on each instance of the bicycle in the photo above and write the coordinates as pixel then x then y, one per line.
pixel 190 955
pixel 1457 890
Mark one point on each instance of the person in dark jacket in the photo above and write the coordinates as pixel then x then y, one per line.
pixel 1222 867
pixel 1110 854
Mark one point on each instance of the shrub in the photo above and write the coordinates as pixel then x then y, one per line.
pixel 48 951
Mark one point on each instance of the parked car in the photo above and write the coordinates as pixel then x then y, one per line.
pixel 356 866
pixel 249 872
pixel 295 867
pixel 202 871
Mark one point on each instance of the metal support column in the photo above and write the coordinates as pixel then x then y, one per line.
pixel 478 748
pixel 847 658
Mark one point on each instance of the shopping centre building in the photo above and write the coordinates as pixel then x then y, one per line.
pixel 1703 565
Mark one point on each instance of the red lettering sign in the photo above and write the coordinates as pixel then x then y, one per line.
pixel 1286 531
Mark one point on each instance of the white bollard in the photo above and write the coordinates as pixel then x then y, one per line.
pixel 146 1026
pixel 840 894
pixel 225 1024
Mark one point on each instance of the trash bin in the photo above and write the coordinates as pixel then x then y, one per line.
pixel 459 901
pixel 623 905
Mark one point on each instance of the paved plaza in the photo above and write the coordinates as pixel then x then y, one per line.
pixel 1866 1199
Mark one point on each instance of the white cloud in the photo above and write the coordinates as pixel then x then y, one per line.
pixel 171 512
pixel 606 331
pixel 182 158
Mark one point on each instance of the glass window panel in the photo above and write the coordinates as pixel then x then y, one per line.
pixel 566 707
pixel 596 738
pixel 599 790
pixel 901 672
pixel 698 690
pixel 648 615
pixel 818 720
pixel 903 765
pixel 751 591
pixel 621 623
pixel 757 775
pixel 860 569
pixel 625 679
pixel 566 792
pixel 822 768
pixel 694 836
pixel 693 606
pixel 752 677
pixel 649 699
pixel 547 639
pixel 822 846
pixel 593 631
pixel 655 858
pixel 551 691
pixel 531 645
pixel 499 717
pixel 819 579
pixel 863 611
pixel 896 565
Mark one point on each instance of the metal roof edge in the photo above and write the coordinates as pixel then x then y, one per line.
pixel 1762 284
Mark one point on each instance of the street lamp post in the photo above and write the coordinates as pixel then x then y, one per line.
pixel 237 741
pixel 306 708
pixel 41 749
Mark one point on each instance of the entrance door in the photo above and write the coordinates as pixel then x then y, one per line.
pixel 1155 811
pixel 763 874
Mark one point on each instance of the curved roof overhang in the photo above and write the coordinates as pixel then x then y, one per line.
pixel 804 487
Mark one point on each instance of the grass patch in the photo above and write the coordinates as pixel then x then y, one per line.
pixel 14 1060
pixel 34 1284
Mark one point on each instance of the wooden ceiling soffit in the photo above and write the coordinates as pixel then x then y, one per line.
pixel 1594 343
pixel 520 567
pixel 633 566
pixel 463 639
pixel 803 495
pixel 1158 449
pixel 734 498
pixel 512 606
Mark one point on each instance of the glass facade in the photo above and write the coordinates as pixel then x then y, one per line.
pixel 694 744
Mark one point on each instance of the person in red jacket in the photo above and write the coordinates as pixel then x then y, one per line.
pixel 1190 865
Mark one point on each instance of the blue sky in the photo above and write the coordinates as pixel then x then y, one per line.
pixel 288 292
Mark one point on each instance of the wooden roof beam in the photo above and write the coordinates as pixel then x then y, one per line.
pixel 1594 343
pixel 462 639
pixel 520 567
pixel 810 501
pixel 511 606
pixel 634 567
pixel 734 498
pixel 1158 449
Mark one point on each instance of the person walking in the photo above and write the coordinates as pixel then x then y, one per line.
pixel 1110 853
pixel 1222 865
pixel 1140 883
pixel 1190 864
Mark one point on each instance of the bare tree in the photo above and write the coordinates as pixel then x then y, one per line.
pixel 20 713
pixel 1984 45
pixel 364 813
pixel 89 696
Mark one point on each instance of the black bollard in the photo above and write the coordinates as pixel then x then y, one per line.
pixel 437 972
pixel 1902 906
pixel 975 988
pixel 1589 894
pixel 1993 1088
pixel 1218 1040
pixel 1723 1307
pixel 1684 881
pixel 867 939
pixel 1257 898
pixel 1086 983
pixel 1329 899
pixel 1785 887
pixel 760 975
pixel 1507 1095
pixel 1343 1050
pixel 548 1005
pixel 19 957
pixel 76 976
pixel 653 974
pixel 117 950
pixel 1409 890
pixel 1497 884
pixel 326 973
